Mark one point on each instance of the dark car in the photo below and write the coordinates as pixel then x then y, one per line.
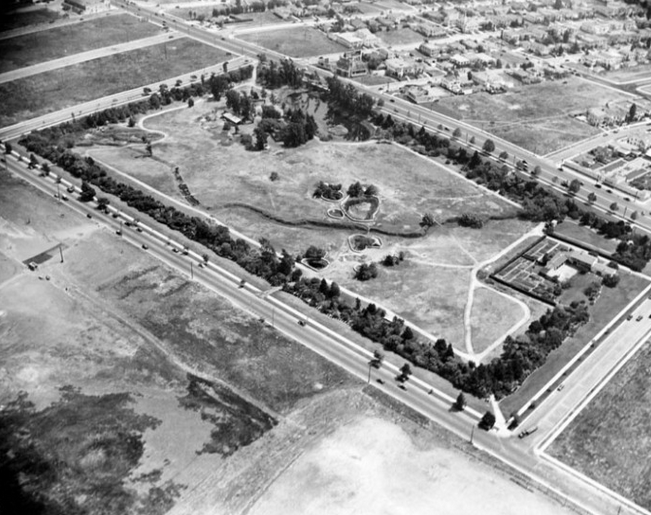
pixel 145 246
pixel 381 381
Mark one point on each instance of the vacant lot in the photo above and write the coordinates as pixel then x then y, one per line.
pixel 609 439
pixel 399 37
pixel 235 185
pixel 533 117
pixel 128 395
pixel 68 40
pixel 610 302
pixel 299 42
pixel 25 17
pixel 586 235
pixel 54 90
pixel 373 466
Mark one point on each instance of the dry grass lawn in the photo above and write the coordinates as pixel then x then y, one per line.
pixel 533 117
pixel 608 441
pixel 298 42
pixel 430 288
pixel 490 323
pixel 50 91
pixel 68 40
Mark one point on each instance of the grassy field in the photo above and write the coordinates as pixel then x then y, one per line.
pixel 398 37
pixel 491 317
pixel 26 17
pixel 299 42
pixel 434 279
pixel 128 394
pixel 581 233
pixel 611 302
pixel 68 40
pixel 54 90
pixel 609 439
pixel 533 117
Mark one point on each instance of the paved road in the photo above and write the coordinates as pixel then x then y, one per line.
pixel 54 64
pixel 415 114
pixel 517 453
pixel 514 452
pixel 124 97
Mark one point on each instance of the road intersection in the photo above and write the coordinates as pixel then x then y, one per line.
pixel 526 456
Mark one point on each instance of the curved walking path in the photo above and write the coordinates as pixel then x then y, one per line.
pixel 474 283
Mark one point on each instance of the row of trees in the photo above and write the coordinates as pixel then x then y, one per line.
pixel 539 203
pixel 521 356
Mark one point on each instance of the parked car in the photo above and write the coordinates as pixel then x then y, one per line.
pixel 527 432
pixel 145 246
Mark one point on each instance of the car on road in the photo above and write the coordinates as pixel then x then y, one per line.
pixel 392 100
pixel 63 197
pixel 629 317
pixel 201 265
pixel 597 185
pixel 118 232
pixel 145 246
pixel 627 199
pixel 527 432
pixel 88 215
pixel 139 229
pixel 301 323
pixel 381 381
pixel 609 191
pixel 560 387
pixel 402 387
pixel 639 318
pixel 70 189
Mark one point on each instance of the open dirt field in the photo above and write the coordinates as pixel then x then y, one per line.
pixel 533 117
pixel 608 441
pixel 234 184
pixel 82 328
pixel 64 41
pixel 50 91
pixel 373 466
pixel 299 42
pixel 399 37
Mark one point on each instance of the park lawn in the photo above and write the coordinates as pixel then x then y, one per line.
pixel 68 40
pixel 374 80
pixel 610 303
pixel 50 91
pixel 533 117
pixel 492 316
pixel 295 42
pixel 402 36
pixel 26 17
pixel 235 186
pixel 608 440
pixel 583 234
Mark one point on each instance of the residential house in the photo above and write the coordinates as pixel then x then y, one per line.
pixel 351 65
pixel 347 39
pixel 460 60
pixel 429 49
pixel 398 67
pixel 418 94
